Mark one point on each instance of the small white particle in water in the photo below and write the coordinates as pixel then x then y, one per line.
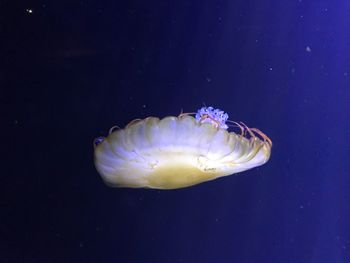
pixel 345 74
pixel 29 11
pixel 301 207
pixel 308 49
pixel 270 69
pixel 143 106
pixel 208 79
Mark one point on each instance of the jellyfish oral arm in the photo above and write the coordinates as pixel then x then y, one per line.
pixel 216 117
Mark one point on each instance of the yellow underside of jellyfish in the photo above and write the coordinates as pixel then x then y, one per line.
pixel 177 152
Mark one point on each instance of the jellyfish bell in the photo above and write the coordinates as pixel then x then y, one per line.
pixel 177 152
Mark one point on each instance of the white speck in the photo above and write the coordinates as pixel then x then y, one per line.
pixel 143 106
pixel 308 49
pixel 301 16
pixel 326 9
pixel 208 79
pixel 29 11
pixel 301 207
pixel 345 74
pixel 270 69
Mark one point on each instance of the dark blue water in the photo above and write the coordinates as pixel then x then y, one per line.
pixel 72 69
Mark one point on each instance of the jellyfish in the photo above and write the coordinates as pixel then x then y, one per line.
pixel 177 152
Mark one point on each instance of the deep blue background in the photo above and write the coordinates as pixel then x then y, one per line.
pixel 72 69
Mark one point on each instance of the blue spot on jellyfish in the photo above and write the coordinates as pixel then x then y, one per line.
pixel 177 152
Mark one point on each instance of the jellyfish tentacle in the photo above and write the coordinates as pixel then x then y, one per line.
pixel 262 135
pixel 112 129
pixel 133 122
pixel 248 130
pixel 183 114
pixel 238 125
